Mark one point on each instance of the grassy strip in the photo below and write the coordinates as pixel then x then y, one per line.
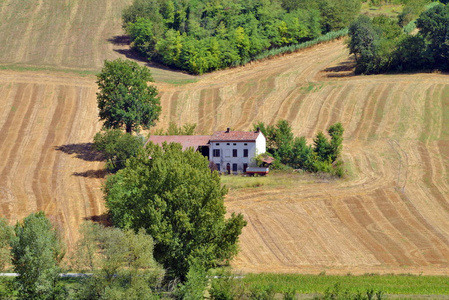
pixel 389 284
pixel 52 69
pixel 276 178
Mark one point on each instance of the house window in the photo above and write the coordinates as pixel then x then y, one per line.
pixel 235 144
pixel 216 153
pixel 246 144
pixel 245 166
pixel 217 144
pixel 234 152
pixel 228 144
pixel 234 167
pixel 218 167
pixel 245 152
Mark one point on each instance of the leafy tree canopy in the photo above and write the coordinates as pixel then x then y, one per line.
pixel 125 99
pixel 117 147
pixel 175 197
pixel 36 253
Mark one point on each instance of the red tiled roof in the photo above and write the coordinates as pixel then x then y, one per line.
pixel 234 136
pixel 185 140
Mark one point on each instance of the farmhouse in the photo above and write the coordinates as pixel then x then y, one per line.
pixel 230 151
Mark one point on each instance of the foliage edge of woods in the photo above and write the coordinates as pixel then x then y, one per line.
pixel 380 45
pixel 202 36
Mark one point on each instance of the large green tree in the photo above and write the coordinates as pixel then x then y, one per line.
pixel 178 200
pixel 117 147
pixel 36 253
pixel 124 98
pixel 433 24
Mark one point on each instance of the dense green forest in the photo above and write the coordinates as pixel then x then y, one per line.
pixel 382 45
pixel 204 35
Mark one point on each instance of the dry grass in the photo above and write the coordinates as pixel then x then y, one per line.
pixel 391 214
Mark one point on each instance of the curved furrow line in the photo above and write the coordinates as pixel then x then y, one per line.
pixel 372 113
pixel 379 112
pixel 209 100
pixel 60 161
pixel 436 235
pixel 349 104
pixel 359 111
pixel 42 182
pixel 444 98
pixel 268 248
pixel 324 109
pixel 14 138
pixel 6 103
pixel 8 108
pixel 443 158
pixel 339 108
pixel 435 113
pixel 312 105
pixel 68 39
pixel 99 34
pixel 345 214
pixel 382 237
pixel 439 163
pixel 21 52
pixel 248 104
pixel 23 156
pixel 412 238
pixel 287 107
pixel 18 110
pixel 428 179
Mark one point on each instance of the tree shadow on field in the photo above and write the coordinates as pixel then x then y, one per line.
pixel 123 43
pixel 92 173
pixel 343 69
pixel 101 219
pixel 120 40
pixel 84 151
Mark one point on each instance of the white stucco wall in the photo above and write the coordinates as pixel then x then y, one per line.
pixel 254 148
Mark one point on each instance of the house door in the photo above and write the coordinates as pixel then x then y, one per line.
pixel 228 168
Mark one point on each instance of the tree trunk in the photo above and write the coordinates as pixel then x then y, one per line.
pixel 129 128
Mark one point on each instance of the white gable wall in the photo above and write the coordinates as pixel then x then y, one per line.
pixel 226 153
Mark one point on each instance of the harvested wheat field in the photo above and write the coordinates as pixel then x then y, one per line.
pixel 391 213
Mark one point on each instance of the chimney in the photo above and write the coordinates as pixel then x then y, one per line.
pixel 228 130
pixel 258 129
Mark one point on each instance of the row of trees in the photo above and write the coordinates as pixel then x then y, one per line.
pixel 380 45
pixel 203 35
pixel 294 151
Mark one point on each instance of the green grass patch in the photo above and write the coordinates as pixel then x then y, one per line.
pixel 284 179
pixel 389 284
pixel 23 68
pixel 178 82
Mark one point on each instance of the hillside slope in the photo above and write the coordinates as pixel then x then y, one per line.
pixel 390 215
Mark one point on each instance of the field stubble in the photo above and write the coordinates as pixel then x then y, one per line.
pixel 391 213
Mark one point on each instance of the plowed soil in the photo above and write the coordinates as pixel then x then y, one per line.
pixel 390 214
